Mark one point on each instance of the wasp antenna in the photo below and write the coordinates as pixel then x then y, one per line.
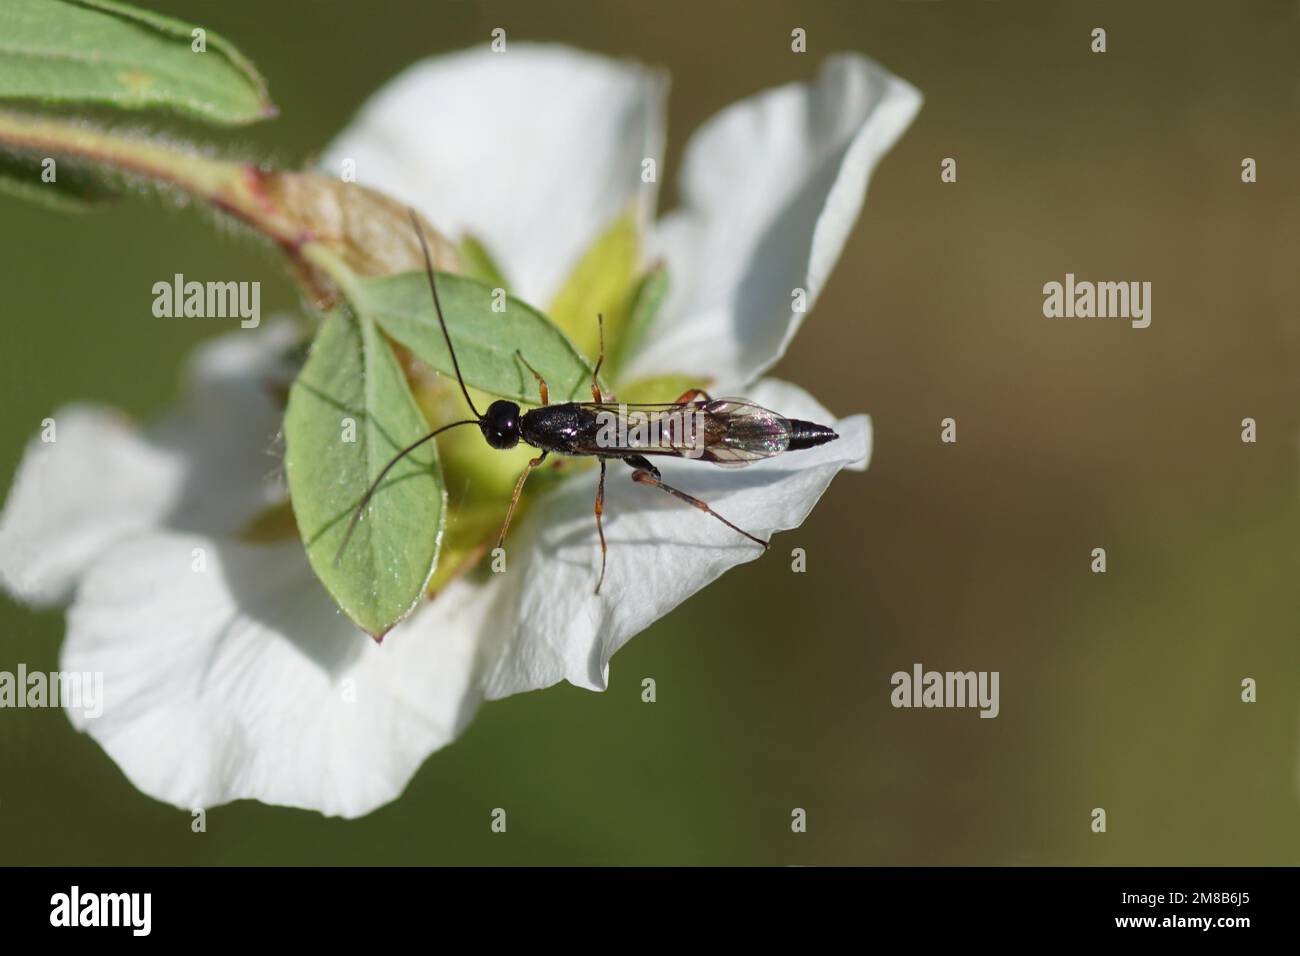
pixel 374 485
pixel 437 306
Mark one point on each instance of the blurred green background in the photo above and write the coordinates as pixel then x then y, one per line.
pixel 1118 690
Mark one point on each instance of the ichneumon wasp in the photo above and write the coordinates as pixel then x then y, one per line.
pixel 724 431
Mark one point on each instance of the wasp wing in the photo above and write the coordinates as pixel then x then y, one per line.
pixel 725 431
pixel 669 428
pixel 742 432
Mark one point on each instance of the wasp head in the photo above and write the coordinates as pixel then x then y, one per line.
pixel 500 426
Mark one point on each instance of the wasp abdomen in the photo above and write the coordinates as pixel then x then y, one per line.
pixel 808 435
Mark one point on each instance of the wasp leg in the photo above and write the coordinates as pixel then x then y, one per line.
pixel 596 393
pixel 519 487
pixel 650 476
pixel 642 463
pixel 600 528
pixel 541 382
pixel 692 395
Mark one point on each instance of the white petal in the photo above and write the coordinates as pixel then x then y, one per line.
pixel 226 430
pixel 533 150
pixel 771 188
pixel 72 497
pixel 234 682
pixel 549 624
pixel 100 479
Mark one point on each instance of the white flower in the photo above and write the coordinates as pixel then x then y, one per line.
pixel 228 671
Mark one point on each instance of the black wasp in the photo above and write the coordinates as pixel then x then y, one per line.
pixel 724 431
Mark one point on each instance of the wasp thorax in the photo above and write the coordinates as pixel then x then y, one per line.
pixel 500 426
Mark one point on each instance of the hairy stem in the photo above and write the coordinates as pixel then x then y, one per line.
pixel 232 186
pixel 362 231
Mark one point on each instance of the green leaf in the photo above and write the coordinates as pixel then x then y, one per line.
pixel 646 302
pixel 477 263
pixel 101 51
pixel 73 189
pixel 352 376
pixel 485 340
pixel 660 388
pixel 600 284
